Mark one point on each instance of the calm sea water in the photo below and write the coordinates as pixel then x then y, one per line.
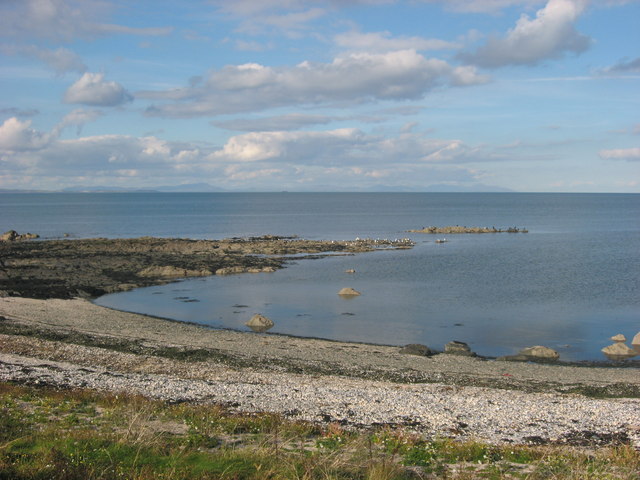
pixel 570 283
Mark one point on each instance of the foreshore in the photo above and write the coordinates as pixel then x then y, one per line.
pixel 70 342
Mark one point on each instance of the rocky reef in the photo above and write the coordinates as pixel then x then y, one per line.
pixel 449 230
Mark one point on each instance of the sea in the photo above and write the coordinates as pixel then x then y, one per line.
pixel 570 283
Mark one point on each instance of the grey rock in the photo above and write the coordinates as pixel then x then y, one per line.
pixel 458 348
pixel 417 349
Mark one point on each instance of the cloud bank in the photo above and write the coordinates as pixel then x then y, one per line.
pixel 349 79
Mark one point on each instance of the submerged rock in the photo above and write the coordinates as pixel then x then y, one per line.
pixel 348 292
pixel 417 349
pixel 619 351
pixel 259 323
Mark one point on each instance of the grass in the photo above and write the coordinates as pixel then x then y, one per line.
pixel 80 434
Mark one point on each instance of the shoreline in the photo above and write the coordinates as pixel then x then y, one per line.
pixel 73 343
pixel 623 364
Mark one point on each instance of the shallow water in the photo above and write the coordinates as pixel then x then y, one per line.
pixel 570 284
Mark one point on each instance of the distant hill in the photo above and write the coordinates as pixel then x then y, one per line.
pixel 207 188
pixel 190 188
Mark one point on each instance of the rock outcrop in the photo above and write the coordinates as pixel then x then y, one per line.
pixel 449 230
pixel 619 338
pixel 13 236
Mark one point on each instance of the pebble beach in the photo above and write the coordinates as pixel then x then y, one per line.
pixel 356 385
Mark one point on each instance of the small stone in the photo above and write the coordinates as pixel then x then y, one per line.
pixel 458 348
pixel 417 349
pixel 348 292
pixel 351 270
pixel 540 353
pixel 259 323
pixel 619 351
pixel 619 338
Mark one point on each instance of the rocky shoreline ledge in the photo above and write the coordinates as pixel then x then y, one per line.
pixel 70 342
pixel 93 267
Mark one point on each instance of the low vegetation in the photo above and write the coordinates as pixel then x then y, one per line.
pixel 79 434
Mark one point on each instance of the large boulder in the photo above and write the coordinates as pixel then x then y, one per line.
pixel 619 338
pixel 619 351
pixel 259 323
pixel 458 348
pixel 540 353
pixel 636 340
pixel 348 292
pixel 417 349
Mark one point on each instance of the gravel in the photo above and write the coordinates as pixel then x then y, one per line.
pixel 491 415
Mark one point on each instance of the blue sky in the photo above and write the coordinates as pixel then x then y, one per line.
pixel 301 95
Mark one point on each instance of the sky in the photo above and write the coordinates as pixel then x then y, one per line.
pixel 334 95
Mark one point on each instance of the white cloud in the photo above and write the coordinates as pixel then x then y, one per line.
pixel 630 154
pixel 19 136
pixel 349 78
pixel 63 20
pixel 91 89
pixel 282 146
pixel 384 42
pixel 60 60
pixel 549 35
